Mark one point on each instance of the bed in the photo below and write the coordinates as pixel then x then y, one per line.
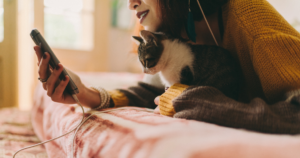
pixel 16 132
pixel 138 133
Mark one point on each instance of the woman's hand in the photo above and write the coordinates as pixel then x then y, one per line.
pixel 156 101
pixel 55 87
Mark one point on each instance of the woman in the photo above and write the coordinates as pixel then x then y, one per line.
pixel 266 46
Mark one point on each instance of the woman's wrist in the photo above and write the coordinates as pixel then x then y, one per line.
pixel 89 97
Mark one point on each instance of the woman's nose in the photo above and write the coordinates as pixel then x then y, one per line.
pixel 133 4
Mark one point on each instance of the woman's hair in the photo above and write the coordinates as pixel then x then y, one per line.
pixel 174 13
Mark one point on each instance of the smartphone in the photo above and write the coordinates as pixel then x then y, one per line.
pixel 40 41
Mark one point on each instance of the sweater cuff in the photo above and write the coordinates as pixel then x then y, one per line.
pixel 165 102
pixel 119 99
pixel 291 94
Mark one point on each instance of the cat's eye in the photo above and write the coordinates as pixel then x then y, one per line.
pixel 150 62
pixel 150 59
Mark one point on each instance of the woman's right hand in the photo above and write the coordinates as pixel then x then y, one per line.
pixel 55 87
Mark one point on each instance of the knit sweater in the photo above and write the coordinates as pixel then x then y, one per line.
pixel 268 50
pixel 267 47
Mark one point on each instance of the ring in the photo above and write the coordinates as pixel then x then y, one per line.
pixel 43 80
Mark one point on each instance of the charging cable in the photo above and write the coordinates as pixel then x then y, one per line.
pixel 79 125
pixel 105 111
pixel 212 34
pixel 76 99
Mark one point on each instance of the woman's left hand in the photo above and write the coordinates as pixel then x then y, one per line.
pixel 156 101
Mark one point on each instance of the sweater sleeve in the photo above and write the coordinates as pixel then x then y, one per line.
pixel 141 95
pixel 210 105
pixel 276 61
pixel 165 101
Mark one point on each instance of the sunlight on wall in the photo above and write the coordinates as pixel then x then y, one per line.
pixel 26 54
pixel 289 9
pixel 1 21
pixel 69 23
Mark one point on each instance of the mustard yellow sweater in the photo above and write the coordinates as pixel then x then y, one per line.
pixel 266 46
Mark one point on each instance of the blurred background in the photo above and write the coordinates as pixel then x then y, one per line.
pixel 86 35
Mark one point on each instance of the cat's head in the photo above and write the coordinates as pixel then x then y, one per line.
pixel 150 50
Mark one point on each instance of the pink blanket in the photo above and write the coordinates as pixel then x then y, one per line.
pixel 16 132
pixel 139 134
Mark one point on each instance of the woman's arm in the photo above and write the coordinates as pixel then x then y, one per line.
pixel 276 61
pixel 142 95
pixel 210 105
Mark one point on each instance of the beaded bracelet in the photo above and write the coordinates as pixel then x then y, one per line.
pixel 104 96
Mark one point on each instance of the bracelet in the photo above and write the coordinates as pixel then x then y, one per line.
pixel 104 97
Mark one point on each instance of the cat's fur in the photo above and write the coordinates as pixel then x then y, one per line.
pixel 179 62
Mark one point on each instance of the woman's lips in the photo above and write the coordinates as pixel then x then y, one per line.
pixel 142 15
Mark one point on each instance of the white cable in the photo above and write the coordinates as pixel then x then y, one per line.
pixel 207 23
pixel 104 111
pixel 76 99
pixel 78 126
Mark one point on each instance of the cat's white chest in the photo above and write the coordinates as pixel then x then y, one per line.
pixel 175 57
pixel 168 78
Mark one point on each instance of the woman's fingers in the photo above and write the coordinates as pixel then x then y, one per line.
pixel 43 70
pixel 38 52
pixel 156 100
pixel 53 79
pixel 59 90
pixel 43 63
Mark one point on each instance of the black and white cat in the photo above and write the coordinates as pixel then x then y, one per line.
pixel 179 62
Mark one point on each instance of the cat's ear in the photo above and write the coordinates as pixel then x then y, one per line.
pixel 137 40
pixel 149 37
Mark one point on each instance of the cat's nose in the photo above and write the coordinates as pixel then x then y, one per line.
pixel 147 64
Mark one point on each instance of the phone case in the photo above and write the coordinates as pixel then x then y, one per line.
pixel 40 41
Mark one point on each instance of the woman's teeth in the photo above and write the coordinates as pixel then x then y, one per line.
pixel 143 14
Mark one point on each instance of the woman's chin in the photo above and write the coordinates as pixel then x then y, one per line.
pixel 150 28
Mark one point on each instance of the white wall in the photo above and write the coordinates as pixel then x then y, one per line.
pixel 289 9
pixel 120 56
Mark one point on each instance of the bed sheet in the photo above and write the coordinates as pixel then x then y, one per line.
pixel 16 132
pixel 136 133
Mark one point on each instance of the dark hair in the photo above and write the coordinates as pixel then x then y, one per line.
pixel 174 13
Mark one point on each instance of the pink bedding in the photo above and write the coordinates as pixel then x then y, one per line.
pixel 16 132
pixel 140 134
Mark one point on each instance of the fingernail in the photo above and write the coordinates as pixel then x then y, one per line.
pixel 44 56
pixel 57 67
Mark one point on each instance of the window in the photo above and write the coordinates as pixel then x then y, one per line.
pixel 1 21
pixel 289 9
pixel 69 24
pixel 122 17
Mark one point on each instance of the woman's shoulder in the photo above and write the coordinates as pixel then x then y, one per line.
pixel 244 6
pixel 257 17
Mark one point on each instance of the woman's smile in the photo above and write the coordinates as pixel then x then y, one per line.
pixel 142 15
pixel 147 12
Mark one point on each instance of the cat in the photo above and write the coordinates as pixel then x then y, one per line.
pixel 176 61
